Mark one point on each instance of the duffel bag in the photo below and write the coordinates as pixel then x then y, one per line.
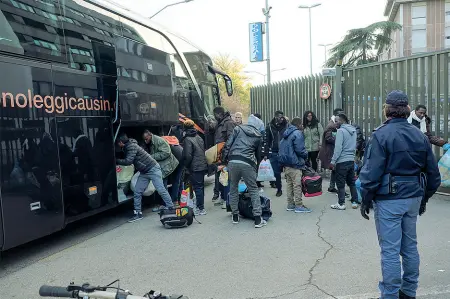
pixel 176 217
pixel 311 183
pixel 246 207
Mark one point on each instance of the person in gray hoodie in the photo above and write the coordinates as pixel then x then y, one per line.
pixel 343 161
pixel 241 153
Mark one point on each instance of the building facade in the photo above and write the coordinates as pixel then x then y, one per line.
pixel 426 26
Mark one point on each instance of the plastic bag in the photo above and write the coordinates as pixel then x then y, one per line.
pixel 265 172
pixel 124 173
pixel 444 169
pixel 223 178
pixel 150 188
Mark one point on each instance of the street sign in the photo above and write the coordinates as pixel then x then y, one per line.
pixel 256 42
pixel 325 91
pixel 329 72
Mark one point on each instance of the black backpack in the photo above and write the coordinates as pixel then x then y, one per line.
pixel 177 217
pixel 246 207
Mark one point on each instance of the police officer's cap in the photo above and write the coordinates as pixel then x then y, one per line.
pixel 397 98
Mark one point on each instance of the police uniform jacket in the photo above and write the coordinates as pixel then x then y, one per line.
pixel 399 163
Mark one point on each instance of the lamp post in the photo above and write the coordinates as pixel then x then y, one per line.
pixel 264 75
pixel 266 13
pixel 168 5
pixel 310 32
pixel 325 46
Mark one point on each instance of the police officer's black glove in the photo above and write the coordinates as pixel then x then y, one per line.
pixel 423 207
pixel 366 205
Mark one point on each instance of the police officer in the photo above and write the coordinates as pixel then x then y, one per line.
pixel 399 175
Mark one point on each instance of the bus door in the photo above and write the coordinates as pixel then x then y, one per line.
pixel 30 176
pixel 85 141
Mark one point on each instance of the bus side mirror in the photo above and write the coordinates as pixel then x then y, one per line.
pixel 228 85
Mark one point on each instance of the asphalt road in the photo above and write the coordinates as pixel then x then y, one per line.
pixel 325 254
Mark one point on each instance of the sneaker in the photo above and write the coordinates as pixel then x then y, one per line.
pixel 157 209
pixel 259 222
pixel 235 218
pixel 332 190
pixel 224 205
pixel 273 185
pixel 202 212
pixel 219 202
pixel 404 296
pixel 354 205
pixel 290 208
pixel 279 193
pixel 136 217
pixel 302 209
pixel 215 198
pixel 338 207
pixel 347 195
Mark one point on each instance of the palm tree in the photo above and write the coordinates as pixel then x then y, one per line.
pixel 363 45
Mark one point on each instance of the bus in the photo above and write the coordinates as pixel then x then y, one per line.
pixel 74 73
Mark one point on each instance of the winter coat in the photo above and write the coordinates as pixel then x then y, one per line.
pixel 435 140
pixel 313 137
pixel 345 145
pixel 273 135
pixel 292 149
pixel 160 150
pixel 327 150
pixel 134 154
pixel 244 145
pixel 194 152
pixel 224 129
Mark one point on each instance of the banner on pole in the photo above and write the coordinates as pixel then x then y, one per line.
pixel 256 42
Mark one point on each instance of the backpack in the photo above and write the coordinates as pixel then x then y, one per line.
pixel 311 183
pixel 246 207
pixel 177 217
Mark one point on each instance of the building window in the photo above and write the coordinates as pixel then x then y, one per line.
pixel 419 27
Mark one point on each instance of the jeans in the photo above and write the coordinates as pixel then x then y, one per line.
pixel 198 184
pixel 294 186
pixel 273 158
pixel 395 221
pixel 345 173
pixel 312 158
pixel 333 179
pixel 358 189
pixel 154 175
pixel 248 174
pixel 176 183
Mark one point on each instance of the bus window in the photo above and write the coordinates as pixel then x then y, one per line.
pixel 32 28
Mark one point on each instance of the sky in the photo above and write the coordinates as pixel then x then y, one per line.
pixel 221 26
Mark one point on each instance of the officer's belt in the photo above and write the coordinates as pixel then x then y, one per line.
pixel 389 183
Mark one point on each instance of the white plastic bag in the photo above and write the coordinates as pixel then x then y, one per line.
pixel 124 173
pixel 150 188
pixel 265 172
pixel 223 177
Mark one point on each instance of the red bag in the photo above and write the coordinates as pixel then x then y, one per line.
pixel 311 183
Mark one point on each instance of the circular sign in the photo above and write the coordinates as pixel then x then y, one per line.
pixel 325 91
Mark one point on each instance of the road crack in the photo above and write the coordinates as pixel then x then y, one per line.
pixel 304 286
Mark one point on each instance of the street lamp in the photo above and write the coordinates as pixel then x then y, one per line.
pixel 264 75
pixel 310 32
pixel 168 5
pixel 325 46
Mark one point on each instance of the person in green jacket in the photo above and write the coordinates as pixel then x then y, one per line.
pixel 313 132
pixel 160 150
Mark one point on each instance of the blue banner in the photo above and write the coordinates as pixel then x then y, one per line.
pixel 256 42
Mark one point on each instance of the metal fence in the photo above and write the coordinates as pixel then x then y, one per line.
pixel 293 97
pixel 425 78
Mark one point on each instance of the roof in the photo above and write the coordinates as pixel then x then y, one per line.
pixel 392 7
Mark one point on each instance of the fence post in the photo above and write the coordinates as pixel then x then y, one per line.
pixel 337 94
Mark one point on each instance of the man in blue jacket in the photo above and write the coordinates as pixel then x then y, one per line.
pixel 398 177
pixel 292 155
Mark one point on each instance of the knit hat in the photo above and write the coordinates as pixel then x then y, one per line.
pixel 397 98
